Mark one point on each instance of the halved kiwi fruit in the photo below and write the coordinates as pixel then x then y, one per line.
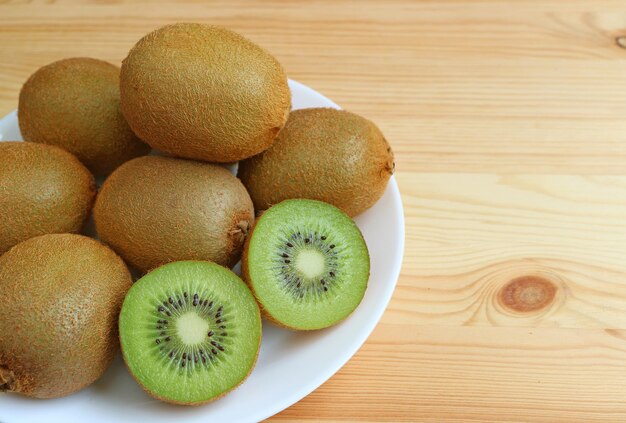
pixel 190 332
pixel 307 264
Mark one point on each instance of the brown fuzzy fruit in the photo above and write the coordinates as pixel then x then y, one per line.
pixel 75 104
pixel 322 154
pixel 61 295
pixel 154 210
pixel 204 92
pixel 43 190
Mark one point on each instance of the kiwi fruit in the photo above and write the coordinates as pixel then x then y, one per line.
pixel 154 210
pixel 60 295
pixel 204 92
pixel 322 154
pixel 190 332
pixel 306 263
pixel 43 189
pixel 75 104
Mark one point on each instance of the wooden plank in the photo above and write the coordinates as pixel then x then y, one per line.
pixel 477 374
pixel 515 250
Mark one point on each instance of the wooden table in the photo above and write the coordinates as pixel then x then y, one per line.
pixel 508 119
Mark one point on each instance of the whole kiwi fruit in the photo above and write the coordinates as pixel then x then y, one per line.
pixel 153 210
pixel 322 154
pixel 61 295
pixel 43 189
pixel 204 92
pixel 75 104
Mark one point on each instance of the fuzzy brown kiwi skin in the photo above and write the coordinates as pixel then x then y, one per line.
pixel 47 352
pixel 197 211
pixel 203 92
pixel 75 104
pixel 194 404
pixel 26 171
pixel 322 154
pixel 245 274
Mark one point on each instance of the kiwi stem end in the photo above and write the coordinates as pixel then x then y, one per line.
pixel 7 379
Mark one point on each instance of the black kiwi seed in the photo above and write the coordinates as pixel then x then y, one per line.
pixel 290 245
pixel 331 246
pixel 170 300
pixel 323 238
pixel 211 333
pixel 214 351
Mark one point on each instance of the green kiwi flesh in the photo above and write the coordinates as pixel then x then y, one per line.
pixel 75 104
pixel 60 297
pixel 322 154
pixel 43 189
pixel 190 332
pixel 307 264
pixel 204 92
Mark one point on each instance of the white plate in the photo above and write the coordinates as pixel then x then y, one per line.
pixel 291 364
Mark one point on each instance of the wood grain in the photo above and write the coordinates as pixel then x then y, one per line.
pixel 507 119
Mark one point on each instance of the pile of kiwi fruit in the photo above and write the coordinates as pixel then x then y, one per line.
pixel 141 149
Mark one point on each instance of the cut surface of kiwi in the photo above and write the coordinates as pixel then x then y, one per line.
pixel 190 332
pixel 307 264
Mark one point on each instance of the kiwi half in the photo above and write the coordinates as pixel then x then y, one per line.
pixel 204 92
pixel 43 190
pixel 60 297
pixel 154 210
pixel 190 332
pixel 322 154
pixel 75 104
pixel 307 264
